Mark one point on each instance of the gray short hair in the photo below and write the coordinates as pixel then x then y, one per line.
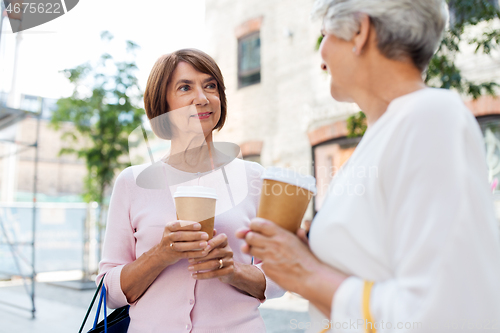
pixel 405 28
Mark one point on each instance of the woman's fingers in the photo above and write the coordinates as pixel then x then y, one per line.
pixel 245 248
pixel 218 241
pixel 210 264
pixel 252 239
pixel 255 239
pixel 211 269
pixel 302 234
pixel 214 254
pixel 181 225
pixel 258 234
pixel 266 239
pixel 242 232
pixel 187 236
pixel 188 246
pixel 257 252
pixel 214 273
pixel 262 226
pixel 192 254
pixel 217 253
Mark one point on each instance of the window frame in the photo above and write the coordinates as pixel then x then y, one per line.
pixel 247 73
pixel 342 141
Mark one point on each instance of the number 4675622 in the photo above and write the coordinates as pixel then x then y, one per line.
pixel 47 8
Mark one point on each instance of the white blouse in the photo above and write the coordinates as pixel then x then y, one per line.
pixel 412 210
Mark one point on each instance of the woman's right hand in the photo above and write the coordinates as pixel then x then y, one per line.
pixel 183 240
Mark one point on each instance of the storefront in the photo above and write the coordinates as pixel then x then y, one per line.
pixel 331 148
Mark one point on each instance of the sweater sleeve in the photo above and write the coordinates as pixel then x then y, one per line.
pixel 272 289
pixel 439 223
pixel 119 242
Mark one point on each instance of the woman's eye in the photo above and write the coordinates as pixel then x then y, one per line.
pixel 211 86
pixel 184 88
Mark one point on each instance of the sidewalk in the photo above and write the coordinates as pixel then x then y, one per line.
pixel 61 310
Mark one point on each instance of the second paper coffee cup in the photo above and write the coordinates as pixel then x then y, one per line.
pixel 285 197
pixel 197 203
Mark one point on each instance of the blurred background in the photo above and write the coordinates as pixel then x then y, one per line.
pixel 71 93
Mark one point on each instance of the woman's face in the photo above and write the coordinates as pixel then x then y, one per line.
pixel 338 60
pixel 193 100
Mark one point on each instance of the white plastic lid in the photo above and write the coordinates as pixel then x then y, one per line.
pixel 196 192
pixel 291 177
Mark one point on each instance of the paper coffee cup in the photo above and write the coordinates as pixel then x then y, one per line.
pixel 285 196
pixel 197 203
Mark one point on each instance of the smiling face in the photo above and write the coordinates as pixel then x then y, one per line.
pixel 193 100
pixel 339 61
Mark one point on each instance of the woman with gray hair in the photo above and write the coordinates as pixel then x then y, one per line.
pixel 413 247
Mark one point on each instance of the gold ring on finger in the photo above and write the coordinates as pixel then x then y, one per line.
pixel 172 246
pixel 221 264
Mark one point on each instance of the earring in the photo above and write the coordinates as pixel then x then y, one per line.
pixel 354 49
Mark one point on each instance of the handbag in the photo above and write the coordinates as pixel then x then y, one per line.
pixel 118 320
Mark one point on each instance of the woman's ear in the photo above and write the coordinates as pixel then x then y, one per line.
pixel 361 38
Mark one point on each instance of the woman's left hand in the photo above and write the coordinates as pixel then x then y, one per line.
pixel 286 259
pixel 209 267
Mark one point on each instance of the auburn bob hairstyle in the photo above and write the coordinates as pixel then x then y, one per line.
pixel 155 96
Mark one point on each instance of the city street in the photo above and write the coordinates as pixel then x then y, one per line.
pixel 352 146
pixel 61 309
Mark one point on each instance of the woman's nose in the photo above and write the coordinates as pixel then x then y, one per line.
pixel 201 99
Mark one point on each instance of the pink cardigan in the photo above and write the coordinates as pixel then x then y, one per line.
pixel 175 302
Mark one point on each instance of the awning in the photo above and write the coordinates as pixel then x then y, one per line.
pixel 10 116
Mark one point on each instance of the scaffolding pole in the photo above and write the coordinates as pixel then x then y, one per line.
pixel 35 181
pixel 13 245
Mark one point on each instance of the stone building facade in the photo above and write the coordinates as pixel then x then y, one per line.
pixel 277 115
pixel 287 117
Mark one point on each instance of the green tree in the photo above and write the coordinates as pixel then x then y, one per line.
pixel 103 111
pixel 356 125
pixel 472 22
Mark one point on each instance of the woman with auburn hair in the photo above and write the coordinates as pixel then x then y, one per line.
pixel 173 277
pixel 416 247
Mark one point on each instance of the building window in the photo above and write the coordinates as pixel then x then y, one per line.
pixel 250 150
pixel 249 60
pixel 328 158
pixel 490 126
pixel 252 158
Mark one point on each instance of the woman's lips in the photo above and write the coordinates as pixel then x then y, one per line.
pixel 202 115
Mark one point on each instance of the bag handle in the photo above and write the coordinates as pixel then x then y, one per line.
pixel 98 312
pixel 92 304
pixel 103 292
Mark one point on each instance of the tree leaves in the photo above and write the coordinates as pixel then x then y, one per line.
pixel 464 14
pixel 488 41
pixel 102 109
pixel 442 72
pixel 356 125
